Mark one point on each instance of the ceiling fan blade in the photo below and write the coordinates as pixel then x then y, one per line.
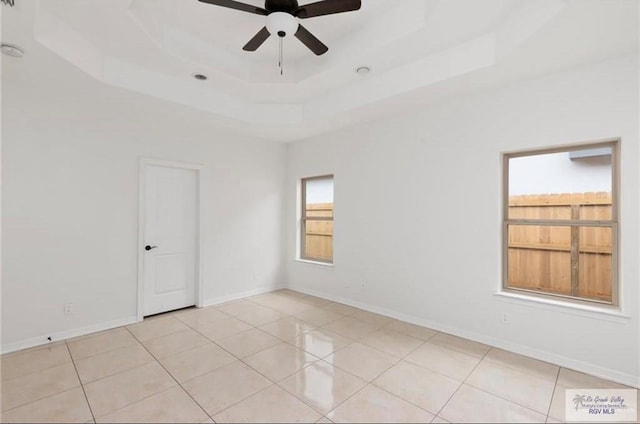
pixel 257 40
pixel 327 7
pixel 311 41
pixel 231 4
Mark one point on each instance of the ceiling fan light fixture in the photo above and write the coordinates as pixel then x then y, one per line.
pixel 282 24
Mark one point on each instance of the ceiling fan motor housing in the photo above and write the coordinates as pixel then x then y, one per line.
pixel 282 19
pixel 282 24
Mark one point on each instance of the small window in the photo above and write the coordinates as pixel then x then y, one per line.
pixel 560 222
pixel 317 219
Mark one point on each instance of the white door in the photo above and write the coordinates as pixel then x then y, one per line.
pixel 170 238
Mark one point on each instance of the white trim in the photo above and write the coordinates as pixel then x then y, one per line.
pixel 560 360
pixel 308 261
pixel 237 296
pixel 83 331
pixel 613 314
pixel 67 334
pixel 141 186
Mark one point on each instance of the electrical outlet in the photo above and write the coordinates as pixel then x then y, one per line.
pixel 68 308
pixel 505 318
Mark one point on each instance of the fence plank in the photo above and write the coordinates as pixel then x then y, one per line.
pixel 539 256
pixel 563 260
pixel 319 236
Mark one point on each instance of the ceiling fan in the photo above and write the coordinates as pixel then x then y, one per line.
pixel 281 19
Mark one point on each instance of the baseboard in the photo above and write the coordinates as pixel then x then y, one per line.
pixel 66 334
pixel 236 296
pixel 76 332
pixel 553 358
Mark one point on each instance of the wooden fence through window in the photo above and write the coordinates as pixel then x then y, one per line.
pixel 572 261
pixel 319 234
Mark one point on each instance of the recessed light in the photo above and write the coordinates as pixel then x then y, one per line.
pixel 363 70
pixel 200 77
pixel 11 50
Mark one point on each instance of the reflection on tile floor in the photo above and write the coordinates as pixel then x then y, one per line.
pixel 280 357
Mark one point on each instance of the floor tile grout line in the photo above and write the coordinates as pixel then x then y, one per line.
pixel 444 405
pixel 436 371
pixel 225 337
pixel 315 307
pixel 92 335
pixel 274 383
pixel 174 379
pixel 368 383
pixel 280 310
pixel 277 383
pixel 284 378
pixel 137 401
pixel 5 381
pixel 244 398
pixel 116 373
pixel 300 399
pixel 37 400
pixel 259 304
pixel 322 358
pixel 105 352
pixel 516 368
pixel 510 400
pixel 491 393
pixel 287 340
pixel 526 374
pixel 176 353
pixel 553 392
pixel 404 399
pixel 84 392
pixel 237 359
pixel 403 359
pixel 163 335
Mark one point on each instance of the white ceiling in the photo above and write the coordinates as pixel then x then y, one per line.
pixel 421 51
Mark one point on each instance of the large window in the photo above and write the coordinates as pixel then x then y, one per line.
pixel 560 222
pixel 316 231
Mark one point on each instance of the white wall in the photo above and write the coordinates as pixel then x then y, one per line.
pixel 417 215
pixel 70 159
pixel 556 173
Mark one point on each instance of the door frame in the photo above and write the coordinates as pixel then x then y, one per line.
pixel 144 162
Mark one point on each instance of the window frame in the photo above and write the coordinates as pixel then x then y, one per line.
pixel 304 218
pixel 613 223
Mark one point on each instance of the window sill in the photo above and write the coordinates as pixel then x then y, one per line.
pixel 307 261
pixel 613 314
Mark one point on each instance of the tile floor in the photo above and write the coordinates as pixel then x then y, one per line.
pixel 280 357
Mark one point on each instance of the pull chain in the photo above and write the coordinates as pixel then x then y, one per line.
pixel 280 58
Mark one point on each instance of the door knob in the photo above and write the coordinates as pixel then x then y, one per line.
pixel 147 247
